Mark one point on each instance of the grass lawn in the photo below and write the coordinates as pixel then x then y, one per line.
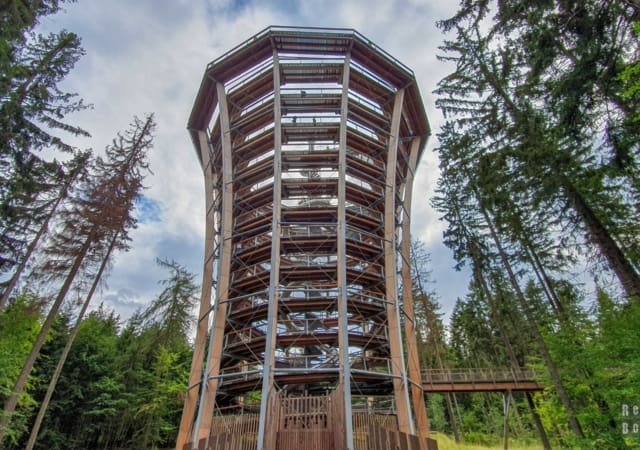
pixel 447 443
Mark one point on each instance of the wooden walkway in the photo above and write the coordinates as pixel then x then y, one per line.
pixel 480 380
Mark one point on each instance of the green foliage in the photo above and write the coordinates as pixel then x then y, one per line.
pixel 630 76
pixel 169 314
pixel 601 360
pixel 80 399
pixel 121 387
pixel 19 325
pixel 158 407
pixel 436 413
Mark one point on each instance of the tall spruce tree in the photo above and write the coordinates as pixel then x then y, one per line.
pixel 536 87
pixel 33 111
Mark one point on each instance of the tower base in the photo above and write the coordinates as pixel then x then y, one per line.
pixel 309 423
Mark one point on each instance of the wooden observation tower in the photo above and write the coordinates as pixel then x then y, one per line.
pixel 308 140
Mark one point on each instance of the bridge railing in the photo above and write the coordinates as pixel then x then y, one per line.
pixel 479 375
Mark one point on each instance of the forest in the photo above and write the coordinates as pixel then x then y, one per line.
pixel 539 188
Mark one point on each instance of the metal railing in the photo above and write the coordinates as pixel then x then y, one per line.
pixel 479 375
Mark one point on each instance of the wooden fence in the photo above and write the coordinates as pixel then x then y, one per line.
pixel 308 423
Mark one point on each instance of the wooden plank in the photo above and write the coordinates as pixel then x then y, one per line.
pixel 274 420
pixel 335 422
pixel 381 439
pixel 432 444
pixel 216 442
pixel 388 439
pixel 222 442
pixel 393 439
pixel 414 442
pixel 403 439
pixel 304 439
pixel 229 441
pixel 374 439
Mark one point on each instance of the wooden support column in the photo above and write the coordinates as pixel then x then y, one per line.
pixel 400 381
pixel 343 315
pixel 195 376
pixel 415 378
pixel 274 276
pixel 208 393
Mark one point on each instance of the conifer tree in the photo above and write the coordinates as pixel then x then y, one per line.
pixel 536 89
pixel 33 111
pixel 101 212
pixel 76 171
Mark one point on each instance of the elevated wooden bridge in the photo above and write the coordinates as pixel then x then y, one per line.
pixel 480 380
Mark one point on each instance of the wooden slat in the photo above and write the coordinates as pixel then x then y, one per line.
pixel 299 439
pixel 414 442
pixel 393 439
pixel 337 418
pixel 403 439
pixel 234 432
pixel 432 444
pixel 378 439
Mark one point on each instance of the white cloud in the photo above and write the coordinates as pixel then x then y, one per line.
pixel 149 56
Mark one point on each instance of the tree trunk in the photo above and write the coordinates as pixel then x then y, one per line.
pixel 67 348
pixel 32 246
pixel 629 278
pixel 506 400
pixel 12 401
pixel 538 422
pixel 493 311
pixel 611 251
pixel 545 282
pixel 551 366
pixel 452 417
pixel 16 276
pixel 512 356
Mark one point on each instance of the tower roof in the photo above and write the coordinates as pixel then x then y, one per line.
pixel 379 71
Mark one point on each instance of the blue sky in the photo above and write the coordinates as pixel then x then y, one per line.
pixel 149 56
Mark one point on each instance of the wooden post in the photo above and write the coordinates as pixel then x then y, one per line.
pixel 506 400
pixel 210 382
pixel 343 316
pixel 417 393
pixel 195 376
pixel 400 387
pixel 274 276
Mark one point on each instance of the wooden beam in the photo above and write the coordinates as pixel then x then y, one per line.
pixel 274 276
pixel 208 395
pixel 417 394
pixel 195 376
pixel 400 387
pixel 343 332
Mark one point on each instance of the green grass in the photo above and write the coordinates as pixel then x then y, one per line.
pixel 447 443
